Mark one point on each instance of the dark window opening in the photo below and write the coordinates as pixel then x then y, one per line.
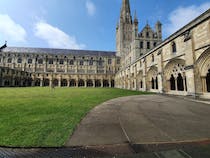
pixel 81 62
pixel 40 61
pixel 156 82
pixel 141 84
pixel 29 61
pixel 91 62
pixel 19 61
pixel 105 83
pixel 153 58
pixel 147 34
pixel 61 62
pixel 71 62
pixel 55 83
pixel 72 83
pixel 208 81
pixel 89 83
pixel 37 82
pixel 97 83
pixel 64 83
pixel 180 83
pixel 112 83
pixel 46 82
pixel 174 47
pixel 141 45
pixel 50 61
pixel 148 45
pixel 153 83
pixel 155 44
pixel 81 83
pixel 9 60
pixel 172 83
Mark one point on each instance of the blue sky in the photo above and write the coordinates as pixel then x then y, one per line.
pixel 86 24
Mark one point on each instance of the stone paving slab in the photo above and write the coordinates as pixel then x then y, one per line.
pixel 144 120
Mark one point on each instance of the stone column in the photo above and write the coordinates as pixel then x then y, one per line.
pixel 102 83
pixel 203 79
pixel 50 82
pixel 59 82
pixel 41 82
pixel 85 83
pixel 190 82
pixel 68 82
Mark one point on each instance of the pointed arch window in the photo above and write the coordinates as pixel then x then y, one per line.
pixel 19 61
pixel 9 60
pixel 180 83
pixel 153 83
pixel 29 61
pixel 141 44
pixel 172 83
pixel 141 84
pixel 156 83
pixel 153 58
pixel 40 61
pixel 174 49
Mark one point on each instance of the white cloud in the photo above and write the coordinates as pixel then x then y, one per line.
pixel 11 31
pixel 90 6
pixel 55 37
pixel 183 15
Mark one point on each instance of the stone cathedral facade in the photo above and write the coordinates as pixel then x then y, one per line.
pixel 179 65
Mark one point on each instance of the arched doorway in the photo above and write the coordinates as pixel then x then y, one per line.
pixel 72 83
pixel 208 81
pixel 97 83
pixel 81 83
pixel 64 83
pixel 180 83
pixel 89 83
pixel 172 83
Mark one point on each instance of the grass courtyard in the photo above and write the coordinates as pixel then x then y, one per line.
pixel 41 117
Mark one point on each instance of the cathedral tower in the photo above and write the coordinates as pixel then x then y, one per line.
pixel 124 30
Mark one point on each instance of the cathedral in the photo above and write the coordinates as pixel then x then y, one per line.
pixel 178 65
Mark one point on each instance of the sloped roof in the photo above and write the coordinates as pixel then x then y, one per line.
pixel 57 51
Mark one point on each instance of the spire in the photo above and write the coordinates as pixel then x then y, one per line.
pixel 125 11
pixel 135 18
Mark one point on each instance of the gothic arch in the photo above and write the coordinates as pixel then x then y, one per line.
pixel 81 83
pixel 174 76
pixel 89 83
pixel 151 78
pixel 64 83
pixel 97 83
pixel 72 83
pixel 202 67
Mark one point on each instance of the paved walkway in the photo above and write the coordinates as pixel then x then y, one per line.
pixel 144 120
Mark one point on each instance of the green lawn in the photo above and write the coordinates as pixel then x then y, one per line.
pixel 41 117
